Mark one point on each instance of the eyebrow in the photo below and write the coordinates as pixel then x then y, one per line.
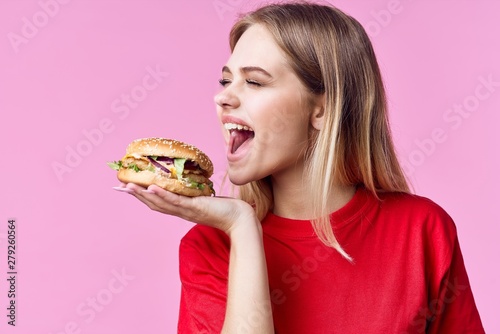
pixel 248 69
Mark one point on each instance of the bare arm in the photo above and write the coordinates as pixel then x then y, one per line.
pixel 248 301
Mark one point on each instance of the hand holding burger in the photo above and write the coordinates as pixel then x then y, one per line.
pixel 170 164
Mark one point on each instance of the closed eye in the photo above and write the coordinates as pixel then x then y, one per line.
pixel 253 82
pixel 224 82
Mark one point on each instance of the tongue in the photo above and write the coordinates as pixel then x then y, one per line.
pixel 238 137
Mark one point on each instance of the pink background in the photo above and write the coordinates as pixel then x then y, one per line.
pixel 63 80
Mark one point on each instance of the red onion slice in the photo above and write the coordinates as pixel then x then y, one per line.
pixel 166 159
pixel 188 165
pixel 159 165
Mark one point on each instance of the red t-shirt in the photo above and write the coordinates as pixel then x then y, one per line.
pixel 408 274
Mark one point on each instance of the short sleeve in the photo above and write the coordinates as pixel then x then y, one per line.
pixel 451 307
pixel 203 265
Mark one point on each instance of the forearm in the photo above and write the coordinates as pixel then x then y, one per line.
pixel 248 306
pixel 248 301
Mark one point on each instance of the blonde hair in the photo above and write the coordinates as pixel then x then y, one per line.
pixel 332 55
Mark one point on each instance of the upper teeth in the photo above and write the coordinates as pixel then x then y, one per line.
pixel 233 126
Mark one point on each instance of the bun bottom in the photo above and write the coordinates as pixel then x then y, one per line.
pixel 147 178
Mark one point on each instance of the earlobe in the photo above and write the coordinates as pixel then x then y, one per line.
pixel 318 113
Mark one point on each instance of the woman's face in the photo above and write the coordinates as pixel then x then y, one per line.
pixel 265 110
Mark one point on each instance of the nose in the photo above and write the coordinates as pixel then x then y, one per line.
pixel 227 99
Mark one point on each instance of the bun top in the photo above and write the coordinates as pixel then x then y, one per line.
pixel 170 148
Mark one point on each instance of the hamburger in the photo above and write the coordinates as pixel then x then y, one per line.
pixel 170 164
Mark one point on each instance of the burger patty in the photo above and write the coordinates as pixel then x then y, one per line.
pixel 196 178
pixel 141 163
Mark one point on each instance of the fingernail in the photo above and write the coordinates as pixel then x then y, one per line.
pixel 148 191
pixel 125 190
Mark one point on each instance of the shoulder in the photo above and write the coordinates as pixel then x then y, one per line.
pixel 419 212
pixel 421 224
pixel 203 246
pixel 411 204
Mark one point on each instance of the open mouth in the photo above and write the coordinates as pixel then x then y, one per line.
pixel 238 135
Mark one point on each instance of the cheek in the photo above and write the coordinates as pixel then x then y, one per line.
pixel 283 134
pixel 279 114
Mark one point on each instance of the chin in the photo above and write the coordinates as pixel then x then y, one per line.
pixel 239 178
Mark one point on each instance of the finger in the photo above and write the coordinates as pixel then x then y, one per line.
pixel 161 202
pixel 135 187
pixel 123 189
pixel 148 201
pixel 185 207
pixel 166 195
pixel 136 191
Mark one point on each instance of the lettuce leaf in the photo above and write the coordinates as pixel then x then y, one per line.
pixel 194 185
pixel 134 167
pixel 116 165
pixel 179 167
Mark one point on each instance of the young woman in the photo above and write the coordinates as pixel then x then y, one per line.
pixel 325 237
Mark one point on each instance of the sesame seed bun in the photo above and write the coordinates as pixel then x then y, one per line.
pixel 171 148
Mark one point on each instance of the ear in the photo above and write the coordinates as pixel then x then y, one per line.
pixel 318 112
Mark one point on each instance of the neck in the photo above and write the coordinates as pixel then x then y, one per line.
pixel 292 199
